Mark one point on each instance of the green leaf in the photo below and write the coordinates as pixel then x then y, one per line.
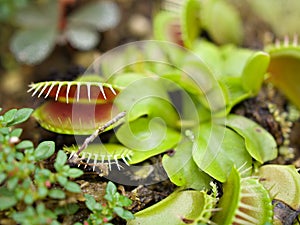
pixel 4 130
pixel 16 132
pixel 72 187
pixel 3 176
pixel 123 213
pixel 211 55
pixel 147 97
pixel 282 183
pixel 90 202
pixel 62 180
pixel 43 191
pixel 28 198
pixel 61 160
pixel 57 194
pixel 12 183
pixel 127 215
pixel 119 211
pixel 190 22
pixel 124 201
pixel 20 116
pixel 172 209
pixel 74 172
pixel 111 188
pixel 7 198
pixel 24 145
pixel 147 137
pixel 103 15
pixel 222 21
pixel 259 143
pixel 235 60
pixel 8 117
pixel 68 209
pixel 33 45
pixel 218 149
pixel 38 15
pixel 44 150
pixel 254 72
pixel 182 170
pixel 81 37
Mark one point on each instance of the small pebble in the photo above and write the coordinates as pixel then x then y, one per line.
pixel 139 26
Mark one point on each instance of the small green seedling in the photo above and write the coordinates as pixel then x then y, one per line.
pixel 26 184
pixel 105 212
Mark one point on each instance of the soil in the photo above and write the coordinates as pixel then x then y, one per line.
pixel 65 63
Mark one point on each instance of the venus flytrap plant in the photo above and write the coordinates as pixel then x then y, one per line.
pixel 240 71
pixel 284 64
pixel 213 148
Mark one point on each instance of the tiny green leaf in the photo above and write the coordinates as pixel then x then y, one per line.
pixel 127 215
pixel 124 201
pixel 12 183
pixel 62 180
pixel 254 72
pixel 20 116
pixel 4 130
pixel 111 188
pixel 72 187
pixel 68 209
pixel 25 145
pixel 102 15
pixel 259 143
pixel 90 202
pixel 43 191
pixel 60 161
pixel 7 199
pixel 28 198
pixel 57 194
pixel 16 132
pixel 8 117
pixel 74 172
pixel 44 150
pixel 82 37
pixel 32 46
pixel 119 211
